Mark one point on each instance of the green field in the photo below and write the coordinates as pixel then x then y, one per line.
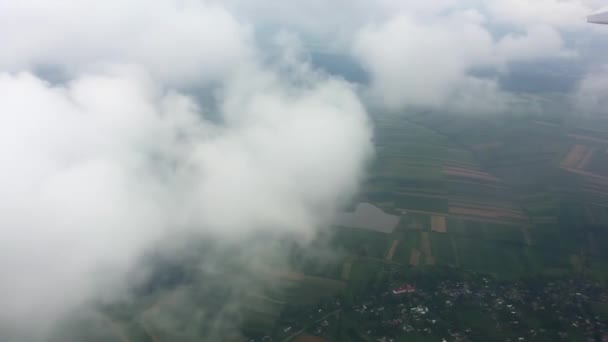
pixel 360 242
pixel 564 231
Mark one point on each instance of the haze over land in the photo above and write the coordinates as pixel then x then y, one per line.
pixel 128 125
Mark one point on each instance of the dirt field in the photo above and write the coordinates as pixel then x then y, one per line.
pixel 438 224
pixel 576 155
pixel 415 257
pixel 588 157
pixel 468 173
pixel 497 214
pixel 497 186
pixel 391 250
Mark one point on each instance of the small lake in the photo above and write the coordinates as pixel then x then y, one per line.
pixel 368 216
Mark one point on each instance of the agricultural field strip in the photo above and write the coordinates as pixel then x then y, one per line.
pixel 438 224
pixel 483 212
pixel 414 257
pixel 588 157
pixel 576 154
pixel 602 192
pixel 595 177
pixel 425 245
pixel 504 205
pixel 587 138
pixel 435 161
pixel 422 194
pixel 519 222
pixel 473 173
pixel 487 185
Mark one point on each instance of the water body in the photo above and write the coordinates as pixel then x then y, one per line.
pixel 368 216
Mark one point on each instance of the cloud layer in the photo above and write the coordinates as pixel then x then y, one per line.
pixel 176 117
pixel 417 63
pixel 75 35
pixel 102 167
pixel 428 53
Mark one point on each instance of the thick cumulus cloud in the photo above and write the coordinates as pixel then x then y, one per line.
pixel 103 166
pixel 416 63
pixel 74 34
pixel 319 20
pixel 446 44
pixel 432 59
pixel 428 64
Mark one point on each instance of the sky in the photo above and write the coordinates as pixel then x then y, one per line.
pixel 124 123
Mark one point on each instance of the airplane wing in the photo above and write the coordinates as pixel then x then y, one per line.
pixel 598 18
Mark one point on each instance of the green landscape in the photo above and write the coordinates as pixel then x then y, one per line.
pixel 500 200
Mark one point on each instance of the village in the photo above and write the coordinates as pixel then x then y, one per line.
pixel 478 308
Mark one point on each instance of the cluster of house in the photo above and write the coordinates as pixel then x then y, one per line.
pixel 560 310
pixel 475 309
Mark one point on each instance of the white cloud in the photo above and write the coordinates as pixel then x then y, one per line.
pixel 520 31
pixel 178 41
pixel 330 24
pixel 591 96
pixel 74 182
pixel 537 43
pixel 427 63
pixel 101 168
pixel 419 64
pixel 97 171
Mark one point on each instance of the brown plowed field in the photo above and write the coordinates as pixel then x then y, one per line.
pixel 468 173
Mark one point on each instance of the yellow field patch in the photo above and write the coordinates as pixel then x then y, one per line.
pixel 438 224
